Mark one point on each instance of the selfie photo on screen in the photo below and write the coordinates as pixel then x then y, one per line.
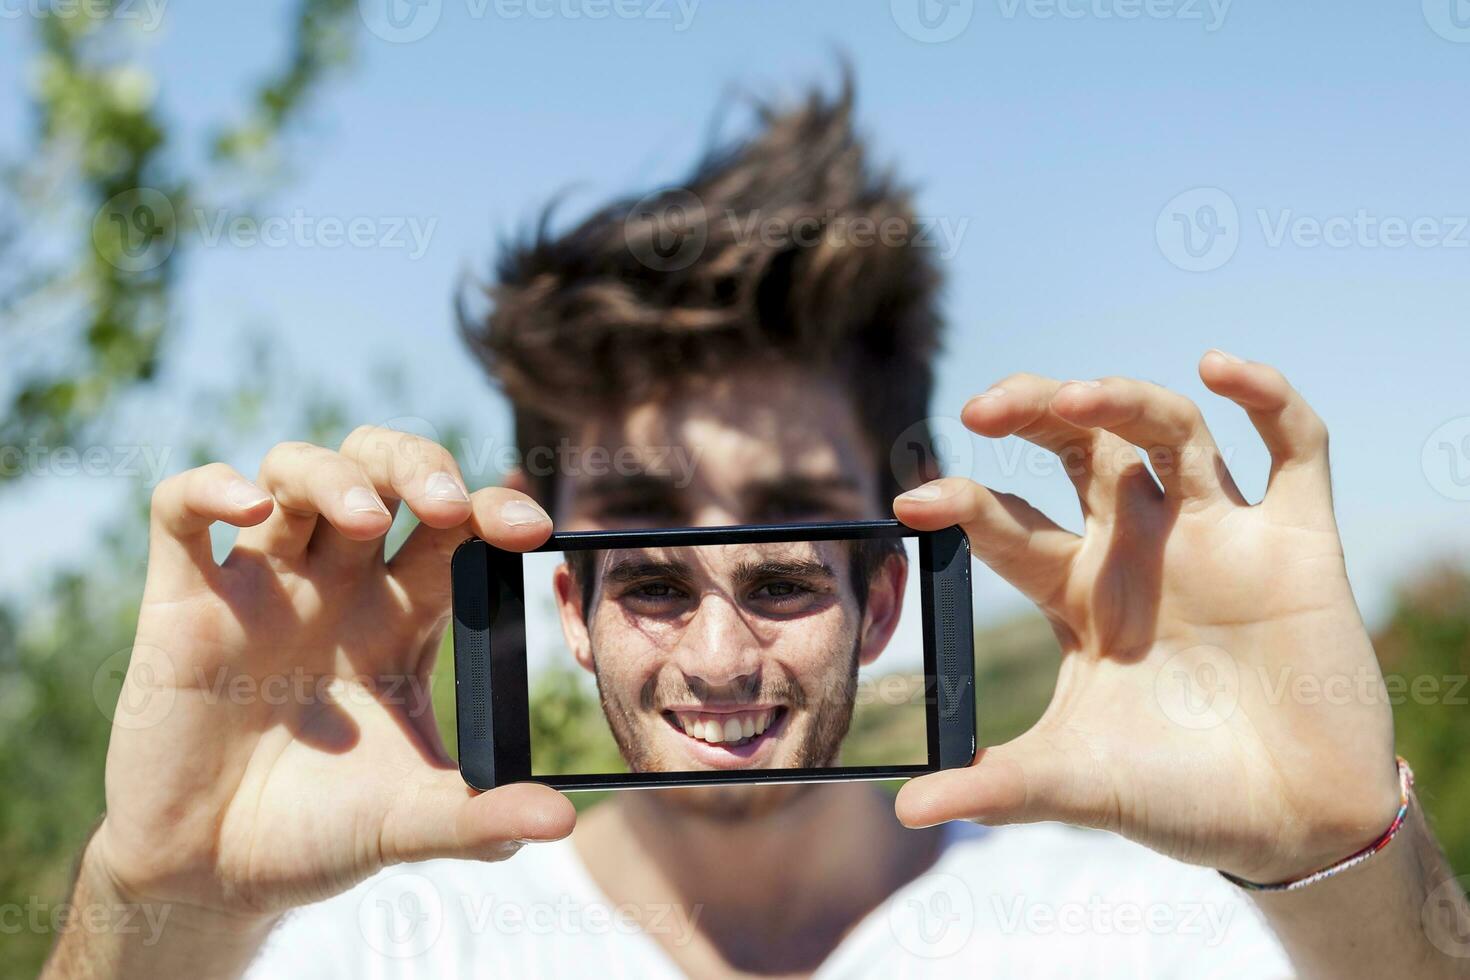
pixel 774 655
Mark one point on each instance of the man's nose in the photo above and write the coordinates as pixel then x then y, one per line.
pixel 719 649
pixel 715 515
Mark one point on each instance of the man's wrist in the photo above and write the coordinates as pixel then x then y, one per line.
pixel 144 936
pixel 1400 914
pixel 1363 825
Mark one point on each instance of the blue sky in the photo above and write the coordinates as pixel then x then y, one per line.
pixel 1052 138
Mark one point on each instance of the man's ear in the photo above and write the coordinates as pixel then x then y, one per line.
pixel 885 603
pixel 573 623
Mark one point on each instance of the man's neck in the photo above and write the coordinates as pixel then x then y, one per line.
pixel 769 894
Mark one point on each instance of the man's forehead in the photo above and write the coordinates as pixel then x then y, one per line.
pixel 769 429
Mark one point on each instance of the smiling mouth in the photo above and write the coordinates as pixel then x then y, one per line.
pixel 727 729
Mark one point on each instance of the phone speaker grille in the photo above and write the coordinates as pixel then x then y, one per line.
pixel 478 708
pixel 948 667
pixel 477 655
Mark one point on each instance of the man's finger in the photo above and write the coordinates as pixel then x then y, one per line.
pixel 1166 425
pixel 401 467
pixel 438 816
pixel 1023 781
pixel 1291 430
pixel 1103 467
pixel 1022 544
pixel 506 518
pixel 183 508
pixel 308 482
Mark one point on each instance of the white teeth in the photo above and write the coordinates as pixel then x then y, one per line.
pixel 724 729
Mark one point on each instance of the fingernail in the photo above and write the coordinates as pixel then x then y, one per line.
pixel 518 513
pixel 361 500
pixel 928 491
pixel 987 395
pixel 245 495
pixel 442 486
pixel 1229 357
pixel 1086 384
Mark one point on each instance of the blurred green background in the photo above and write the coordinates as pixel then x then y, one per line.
pixel 64 642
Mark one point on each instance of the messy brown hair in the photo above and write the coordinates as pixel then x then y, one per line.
pixel 650 292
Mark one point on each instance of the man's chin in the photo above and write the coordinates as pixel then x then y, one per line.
pixel 731 803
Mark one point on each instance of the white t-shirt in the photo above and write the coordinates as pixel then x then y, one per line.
pixel 1026 901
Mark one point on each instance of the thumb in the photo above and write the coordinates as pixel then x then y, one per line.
pixel 438 816
pixel 1025 780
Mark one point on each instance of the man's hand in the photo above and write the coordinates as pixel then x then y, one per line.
pixel 1219 698
pixel 274 742
pixel 1188 619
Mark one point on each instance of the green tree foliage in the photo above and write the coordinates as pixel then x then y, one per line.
pixel 1425 652
pixel 91 226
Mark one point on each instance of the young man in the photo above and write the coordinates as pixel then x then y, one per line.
pixel 741 656
pixel 263 828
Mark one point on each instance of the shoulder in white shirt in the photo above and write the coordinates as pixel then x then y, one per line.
pixel 1026 901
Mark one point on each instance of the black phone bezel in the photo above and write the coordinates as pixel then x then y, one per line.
pixel 492 691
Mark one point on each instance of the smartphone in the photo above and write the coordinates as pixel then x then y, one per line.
pixel 686 657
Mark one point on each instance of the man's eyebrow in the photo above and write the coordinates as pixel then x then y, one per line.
pixel 640 484
pixel 633 568
pixel 762 568
pixel 794 485
pixel 812 492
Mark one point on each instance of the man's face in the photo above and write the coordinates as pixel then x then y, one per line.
pixel 727 656
pixel 687 635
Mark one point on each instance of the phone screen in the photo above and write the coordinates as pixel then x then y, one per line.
pixel 758 655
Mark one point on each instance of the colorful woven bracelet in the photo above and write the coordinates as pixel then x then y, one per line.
pixel 1406 782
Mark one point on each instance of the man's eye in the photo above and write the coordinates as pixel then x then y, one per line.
pixel 779 590
pixel 654 592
